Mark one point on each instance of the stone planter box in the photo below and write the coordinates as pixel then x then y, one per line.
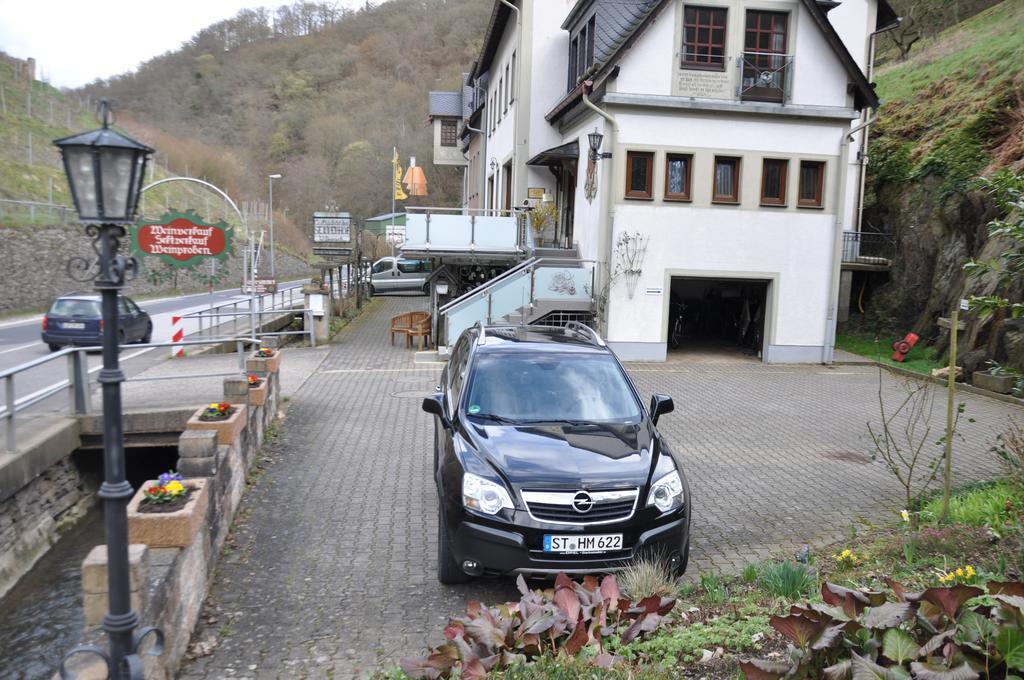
pixel 227 429
pixel 1000 384
pixel 258 395
pixel 168 529
pixel 311 288
pixel 255 364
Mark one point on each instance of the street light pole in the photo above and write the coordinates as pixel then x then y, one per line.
pixel 105 170
pixel 270 183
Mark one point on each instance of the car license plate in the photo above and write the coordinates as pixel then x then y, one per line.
pixel 73 324
pixel 582 544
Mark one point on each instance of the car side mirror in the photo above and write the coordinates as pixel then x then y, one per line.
pixel 660 405
pixel 434 404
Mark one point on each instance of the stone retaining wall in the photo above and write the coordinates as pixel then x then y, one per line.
pixel 173 582
pixel 36 261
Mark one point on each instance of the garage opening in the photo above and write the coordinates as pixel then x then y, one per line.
pixel 723 317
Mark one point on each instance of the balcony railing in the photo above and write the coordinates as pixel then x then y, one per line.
pixel 765 77
pixel 868 248
pixel 453 231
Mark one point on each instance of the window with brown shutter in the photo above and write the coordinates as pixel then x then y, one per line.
pixel 773 181
pixel 704 37
pixel 639 174
pixel 812 179
pixel 678 170
pixel 726 180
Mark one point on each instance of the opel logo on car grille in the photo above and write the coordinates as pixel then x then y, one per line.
pixel 582 502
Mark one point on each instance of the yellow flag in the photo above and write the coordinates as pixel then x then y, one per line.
pixel 399 193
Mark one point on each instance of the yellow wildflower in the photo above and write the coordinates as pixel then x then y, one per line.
pixel 905 515
pixel 970 571
pixel 175 488
pixel 960 572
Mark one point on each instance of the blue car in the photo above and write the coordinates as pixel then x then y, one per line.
pixel 75 320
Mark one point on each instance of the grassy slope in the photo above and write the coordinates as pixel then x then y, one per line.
pixel 24 182
pixel 949 106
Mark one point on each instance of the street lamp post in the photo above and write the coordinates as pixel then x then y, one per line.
pixel 105 171
pixel 270 183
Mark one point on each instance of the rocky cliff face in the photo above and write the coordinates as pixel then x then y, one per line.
pixel 935 238
pixel 951 115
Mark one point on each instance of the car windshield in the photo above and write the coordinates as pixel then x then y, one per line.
pixel 69 307
pixel 516 388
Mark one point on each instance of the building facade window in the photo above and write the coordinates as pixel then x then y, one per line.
pixel 639 174
pixel 764 60
pixel 581 51
pixel 497 100
pixel 704 31
pixel 812 181
pixel 773 181
pixel 727 180
pixel 512 80
pixel 678 171
pixel 449 132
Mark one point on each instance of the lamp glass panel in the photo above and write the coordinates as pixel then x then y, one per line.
pixel 116 175
pixel 595 139
pixel 83 179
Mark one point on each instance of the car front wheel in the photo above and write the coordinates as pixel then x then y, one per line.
pixel 148 335
pixel 53 347
pixel 448 570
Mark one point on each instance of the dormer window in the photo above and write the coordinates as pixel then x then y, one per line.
pixel 704 37
pixel 581 51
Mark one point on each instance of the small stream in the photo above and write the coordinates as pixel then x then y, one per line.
pixel 41 618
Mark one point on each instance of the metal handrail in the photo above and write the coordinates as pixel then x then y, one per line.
pixel 78 379
pixel 497 212
pixel 482 287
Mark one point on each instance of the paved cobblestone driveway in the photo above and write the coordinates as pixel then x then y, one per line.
pixel 335 564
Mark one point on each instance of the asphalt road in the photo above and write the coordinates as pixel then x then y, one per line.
pixel 20 342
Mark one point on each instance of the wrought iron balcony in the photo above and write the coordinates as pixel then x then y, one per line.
pixel 868 250
pixel 764 77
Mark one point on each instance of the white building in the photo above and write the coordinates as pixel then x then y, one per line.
pixel 726 157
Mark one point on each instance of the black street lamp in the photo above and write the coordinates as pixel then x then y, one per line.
pixel 105 170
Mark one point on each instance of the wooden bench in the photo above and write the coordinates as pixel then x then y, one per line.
pixel 412 324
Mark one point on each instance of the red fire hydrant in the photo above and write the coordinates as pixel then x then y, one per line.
pixel 901 347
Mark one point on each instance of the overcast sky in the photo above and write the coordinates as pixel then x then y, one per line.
pixel 76 41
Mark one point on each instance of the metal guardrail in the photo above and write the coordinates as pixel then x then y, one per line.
pixel 77 383
pixel 286 304
pixel 861 247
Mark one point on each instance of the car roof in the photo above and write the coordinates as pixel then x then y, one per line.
pixel 536 339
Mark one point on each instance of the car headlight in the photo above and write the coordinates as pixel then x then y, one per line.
pixel 483 495
pixel 666 493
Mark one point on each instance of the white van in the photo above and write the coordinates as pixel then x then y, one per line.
pixel 392 274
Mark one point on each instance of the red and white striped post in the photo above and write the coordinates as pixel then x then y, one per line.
pixel 177 335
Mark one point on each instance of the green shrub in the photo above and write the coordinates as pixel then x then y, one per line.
pixel 715 591
pixel 790 580
pixel 750 573
pixel 994 505
pixel 687 643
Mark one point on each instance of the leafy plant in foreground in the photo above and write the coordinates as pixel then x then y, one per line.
pixel 566 618
pixel 940 634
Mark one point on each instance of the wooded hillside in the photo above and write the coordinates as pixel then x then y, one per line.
pixel 318 94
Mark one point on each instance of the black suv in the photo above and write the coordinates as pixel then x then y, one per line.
pixel 546 459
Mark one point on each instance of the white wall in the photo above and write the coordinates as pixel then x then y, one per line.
pixel 652 64
pixel 789 250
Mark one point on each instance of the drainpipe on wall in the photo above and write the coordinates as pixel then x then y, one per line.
pixel 483 159
pixel 517 133
pixel 862 153
pixel 606 223
pixel 828 349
